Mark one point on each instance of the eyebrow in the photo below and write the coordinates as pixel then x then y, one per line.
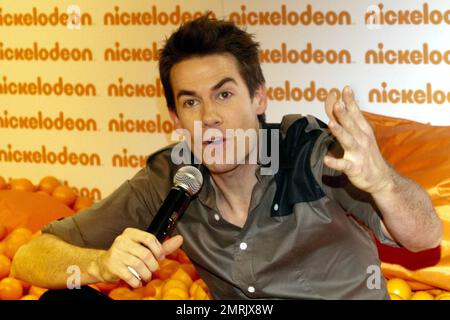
pixel 215 87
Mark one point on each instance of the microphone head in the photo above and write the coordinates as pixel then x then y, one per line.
pixel 189 178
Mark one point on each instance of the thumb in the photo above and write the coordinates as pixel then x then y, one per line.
pixel 172 244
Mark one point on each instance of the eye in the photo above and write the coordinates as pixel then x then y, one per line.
pixel 225 95
pixel 190 103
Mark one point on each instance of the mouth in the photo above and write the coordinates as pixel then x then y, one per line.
pixel 214 141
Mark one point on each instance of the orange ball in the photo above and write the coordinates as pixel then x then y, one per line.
pixel 399 287
pixel 22 185
pixel 120 293
pixel 3 184
pixel 10 289
pixel 183 258
pixel 173 255
pixel 393 296
pixel 82 203
pixel 167 267
pixel 200 294
pixel 422 295
pixel 93 286
pixel 24 232
pixel 14 242
pixel 106 286
pixel 174 283
pixel 37 291
pixel 36 234
pixel 65 194
pixel 182 275
pixel 190 270
pixel 25 285
pixel 175 294
pixel 49 184
pixel 157 284
pixel 149 290
pixel 443 296
pixel 5 266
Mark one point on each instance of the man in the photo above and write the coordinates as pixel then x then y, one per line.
pixel 302 232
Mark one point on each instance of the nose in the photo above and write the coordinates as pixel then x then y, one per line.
pixel 211 116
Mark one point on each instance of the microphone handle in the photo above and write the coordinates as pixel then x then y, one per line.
pixel 170 211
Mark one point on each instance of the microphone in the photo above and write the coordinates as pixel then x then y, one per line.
pixel 187 182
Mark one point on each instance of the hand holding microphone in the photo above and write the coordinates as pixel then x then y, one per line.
pixel 135 254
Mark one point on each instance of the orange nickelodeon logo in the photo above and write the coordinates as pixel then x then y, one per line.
pixel 40 87
pixel 152 17
pixel 138 125
pixel 132 54
pixel 283 16
pixel 37 53
pixel 125 160
pixel 45 156
pixel 41 122
pixel 310 93
pixel 409 96
pixel 151 90
pixel 418 56
pixel 423 16
pixel 307 55
pixel 40 19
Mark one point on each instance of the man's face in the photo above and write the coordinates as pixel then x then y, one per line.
pixel 210 93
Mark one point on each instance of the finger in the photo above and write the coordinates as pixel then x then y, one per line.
pixel 172 244
pixel 346 120
pixel 142 253
pixel 343 165
pixel 329 103
pixel 126 275
pixel 148 240
pixel 350 102
pixel 139 266
pixel 345 139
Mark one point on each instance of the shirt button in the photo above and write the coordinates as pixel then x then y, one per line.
pixel 251 289
pixel 275 207
pixel 216 216
pixel 243 246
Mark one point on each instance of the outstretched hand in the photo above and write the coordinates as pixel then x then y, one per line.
pixel 362 161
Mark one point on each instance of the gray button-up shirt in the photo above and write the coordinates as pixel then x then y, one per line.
pixel 308 235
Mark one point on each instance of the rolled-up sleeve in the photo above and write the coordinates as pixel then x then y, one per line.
pixel 133 204
pixel 337 187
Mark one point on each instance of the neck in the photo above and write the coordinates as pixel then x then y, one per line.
pixel 234 192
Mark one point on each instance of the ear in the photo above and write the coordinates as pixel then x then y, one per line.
pixel 260 99
pixel 174 117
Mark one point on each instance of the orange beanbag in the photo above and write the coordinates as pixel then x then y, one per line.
pixel 420 152
pixel 29 209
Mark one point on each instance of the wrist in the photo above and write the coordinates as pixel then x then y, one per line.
pixel 386 184
pixel 94 267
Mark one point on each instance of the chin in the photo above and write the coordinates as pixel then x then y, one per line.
pixel 221 168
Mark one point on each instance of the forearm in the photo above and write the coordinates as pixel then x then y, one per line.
pixel 408 213
pixel 45 260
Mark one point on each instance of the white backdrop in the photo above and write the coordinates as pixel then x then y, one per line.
pixel 398 51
